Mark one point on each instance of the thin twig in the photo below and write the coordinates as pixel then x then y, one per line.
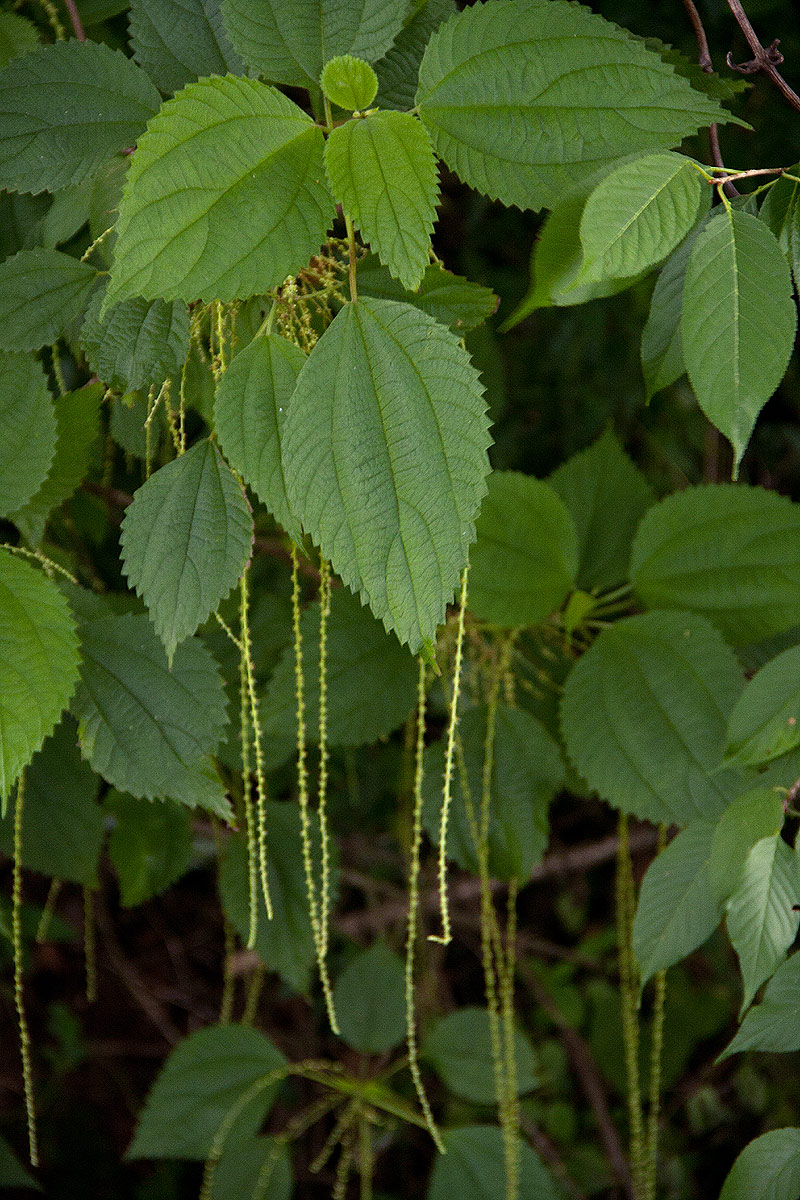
pixel 765 58
pixel 704 59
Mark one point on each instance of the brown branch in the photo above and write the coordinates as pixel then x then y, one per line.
pixel 765 58
pixel 704 59
pixel 74 16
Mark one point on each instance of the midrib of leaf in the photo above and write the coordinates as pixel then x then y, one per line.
pixel 643 207
pixel 735 299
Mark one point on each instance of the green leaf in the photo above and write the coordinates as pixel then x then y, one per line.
pixel 459 1048
pixel 738 323
pixel 780 214
pixel 17 36
pixel 731 553
pixel 349 82
pixel 38 663
pixel 286 943
pixel 644 714
pixel 258 1169
pixel 67 214
pixel 398 70
pixel 67 108
pixel 176 41
pixel 755 815
pixel 290 41
pixel 677 910
pixel 371 681
pixel 767 1169
pixel 527 773
pixel 526 101
pixel 78 427
pixel 764 722
pixel 137 344
pixel 606 496
pixel 450 299
pixel 63 828
pixel 474 1167
pixel 41 293
pixel 638 214
pixel 761 922
pixel 186 539
pixel 202 1083
pixel 257 209
pixel 250 413
pixel 662 342
pixel 28 431
pixel 382 171
pixel 369 998
pixel 144 727
pixel 384 454
pixel 556 262
pixel 524 561
pixel 774 1024
pixel 12 1172
pixel 150 845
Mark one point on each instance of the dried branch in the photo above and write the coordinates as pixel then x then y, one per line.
pixel 704 59
pixel 765 58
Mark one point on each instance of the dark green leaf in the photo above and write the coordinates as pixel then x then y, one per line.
pixel 731 553
pixel 150 845
pixel 644 715
pixel 774 1024
pixel 779 212
pixel 767 1169
pixel 41 293
pixel 398 70
pixel 258 1169
pixel 524 561
pixel 137 344
pixel 68 213
pixel 67 108
pixel 178 40
pixel 250 412
pixel 662 344
pixel 755 815
pixel 144 727
pixel 606 496
pixel 459 1047
pixel 450 299
pixel 12 1172
pixel 370 1003
pixel 764 723
pixel 202 1083
pixel 17 36
pixel 384 454
pixel 762 923
pixel 258 208
pixel 474 1168
pixel 28 431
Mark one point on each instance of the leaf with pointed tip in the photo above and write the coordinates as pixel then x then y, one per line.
pixel 644 714
pixel 78 427
pixel 398 70
pixel 662 343
pixel 145 727
pixel 28 431
pixel 384 454
pixel 289 41
pixel 677 910
pixel 767 1169
pixel 450 299
pixel 731 553
pixel 780 214
pixel 774 1024
pixel 137 344
pixel 257 207
pixel 176 41
pixel 38 663
pixel 766 720
pixel 638 214
pixel 41 293
pixel 762 923
pixel 150 845
pixel 186 539
pixel 382 171
pixel 526 101
pixel 250 413
pixel 66 109
pixel 738 324
pixel 369 998
pixel 752 816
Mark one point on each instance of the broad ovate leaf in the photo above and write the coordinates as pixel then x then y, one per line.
pixel 450 299
pixel 250 413
pixel 18 35
pixel 257 207
pixel 474 1163
pixel 186 539
pixel 662 342
pixel 259 1168
pixel 644 715
pixel 137 344
pixel 369 998
pixel 176 41
pixel 738 324
pixel 729 552
pixel 66 109
pixel 398 70
pixel 764 723
pixel 349 82
pixel 146 727
pixel 384 454
pixel 150 845
pixel 754 815
pixel 38 663
pixel 774 1024
pixel 525 558
pixel 638 214
pixel 205 1080
pixel 28 430
pixel 382 171
pixel 459 1048
pixel 677 910
pixel 762 915
pixel 290 41
pixel 41 293
pixel 767 1169
pixel 527 101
